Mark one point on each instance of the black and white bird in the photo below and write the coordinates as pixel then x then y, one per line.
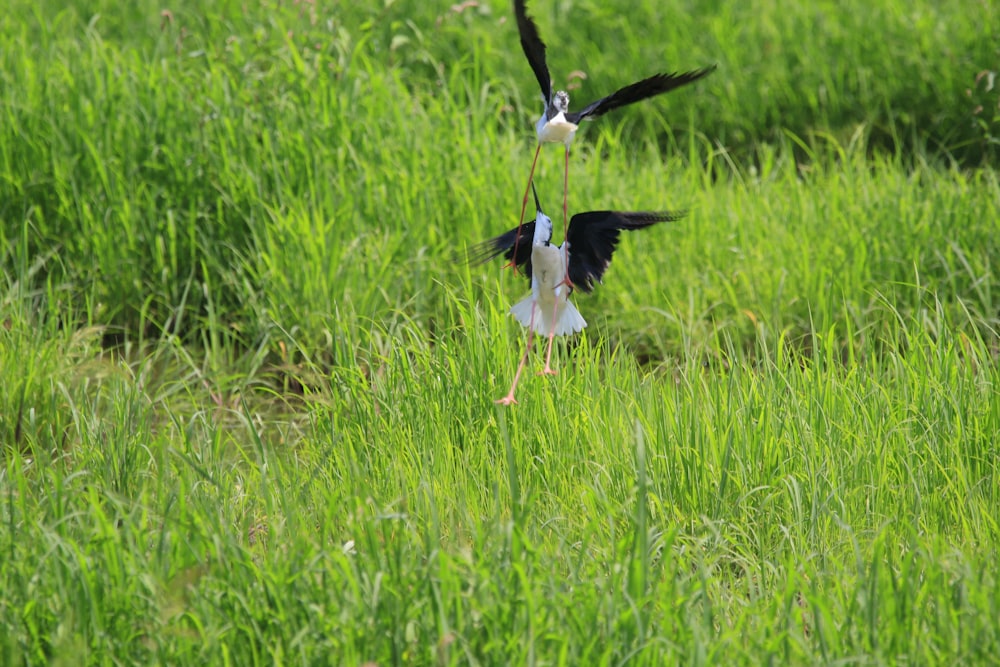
pixel 584 255
pixel 557 123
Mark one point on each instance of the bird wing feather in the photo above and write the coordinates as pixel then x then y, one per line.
pixel 534 49
pixel 638 91
pixel 593 237
pixel 504 244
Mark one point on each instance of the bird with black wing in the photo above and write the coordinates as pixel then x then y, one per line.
pixel 557 123
pixel 584 256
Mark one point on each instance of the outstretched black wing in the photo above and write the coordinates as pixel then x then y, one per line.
pixel 636 92
pixel 504 244
pixel 534 49
pixel 593 237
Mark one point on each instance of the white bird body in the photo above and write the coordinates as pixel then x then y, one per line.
pixel 549 296
pixel 547 309
pixel 556 131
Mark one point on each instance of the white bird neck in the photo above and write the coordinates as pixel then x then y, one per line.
pixel 543 230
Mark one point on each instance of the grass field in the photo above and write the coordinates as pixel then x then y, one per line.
pixel 247 380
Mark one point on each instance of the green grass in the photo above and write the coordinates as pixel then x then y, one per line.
pixel 247 411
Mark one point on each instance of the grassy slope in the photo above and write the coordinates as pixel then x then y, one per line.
pixel 775 441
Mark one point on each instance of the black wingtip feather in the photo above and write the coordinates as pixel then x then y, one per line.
pixel 638 91
pixel 641 219
pixel 593 237
pixel 481 253
pixel 534 48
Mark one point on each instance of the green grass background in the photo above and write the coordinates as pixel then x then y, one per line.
pixel 247 410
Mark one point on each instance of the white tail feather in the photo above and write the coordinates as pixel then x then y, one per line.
pixel 522 311
pixel 568 319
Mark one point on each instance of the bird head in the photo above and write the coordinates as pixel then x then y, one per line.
pixel 543 223
pixel 561 101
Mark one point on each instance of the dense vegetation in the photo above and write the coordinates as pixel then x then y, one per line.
pixel 247 379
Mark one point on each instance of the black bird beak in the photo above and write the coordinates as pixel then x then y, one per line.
pixel 538 207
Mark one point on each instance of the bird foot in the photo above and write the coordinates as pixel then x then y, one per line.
pixel 510 265
pixel 506 400
pixel 548 371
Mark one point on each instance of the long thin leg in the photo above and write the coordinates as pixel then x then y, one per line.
pixel 509 398
pixel 524 205
pixel 565 280
pixel 552 334
pixel 566 194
